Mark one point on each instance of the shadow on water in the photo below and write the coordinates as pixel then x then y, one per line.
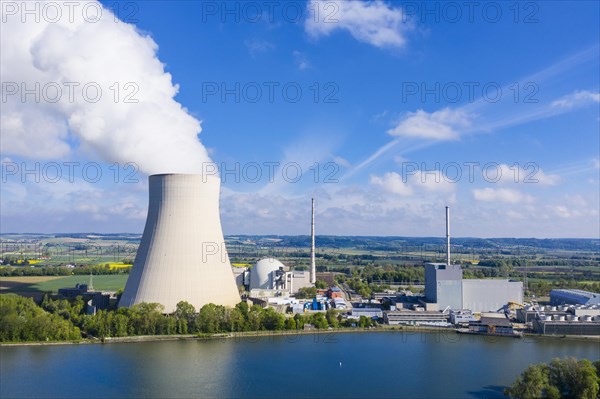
pixel 489 392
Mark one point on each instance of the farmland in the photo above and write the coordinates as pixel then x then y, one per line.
pixel 37 285
pixel 542 264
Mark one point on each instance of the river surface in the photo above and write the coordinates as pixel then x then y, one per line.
pixel 352 365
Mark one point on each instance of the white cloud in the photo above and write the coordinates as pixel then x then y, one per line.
pixel 564 211
pixel 432 181
pixel 444 124
pixel 65 206
pixel 547 179
pixel 501 195
pixel 343 162
pixel 526 173
pixel 514 215
pixel 372 22
pixel 256 46
pixel 301 60
pixel 392 182
pixel 578 98
pixel 429 182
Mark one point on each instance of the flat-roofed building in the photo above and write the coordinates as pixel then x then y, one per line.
pixel 414 317
pixel 445 288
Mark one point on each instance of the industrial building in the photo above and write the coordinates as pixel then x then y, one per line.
pixel 73 292
pixel 414 317
pixel 491 326
pixel 241 275
pixel 182 255
pixel 339 303
pixel 95 300
pixel 271 278
pixel 530 312
pixel 574 297
pixel 370 312
pixel 445 287
pixel 461 316
pixel 482 295
pixel 567 325
pixel 561 320
pixel 269 274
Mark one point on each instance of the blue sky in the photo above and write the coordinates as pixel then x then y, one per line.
pixel 390 90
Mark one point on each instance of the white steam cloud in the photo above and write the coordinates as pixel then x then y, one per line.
pixel 80 76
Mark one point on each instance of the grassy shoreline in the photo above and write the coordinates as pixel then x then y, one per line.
pixel 289 333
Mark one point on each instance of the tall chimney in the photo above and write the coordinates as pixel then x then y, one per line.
pixel 313 269
pixel 182 255
pixel 448 236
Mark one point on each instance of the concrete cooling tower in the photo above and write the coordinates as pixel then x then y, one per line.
pixel 182 256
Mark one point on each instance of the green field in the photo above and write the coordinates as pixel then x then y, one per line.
pixel 111 282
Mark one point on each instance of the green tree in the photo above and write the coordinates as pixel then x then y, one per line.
pixel 306 292
pixel 300 321
pixel 185 315
pixel 563 378
pixel 271 320
pixel 332 319
pixel 254 321
pixel 290 324
pixel 573 378
pixel 208 320
pixel 320 284
pixel 237 320
pixel 319 321
pixel 533 383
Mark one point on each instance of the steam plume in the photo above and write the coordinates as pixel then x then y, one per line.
pixel 144 124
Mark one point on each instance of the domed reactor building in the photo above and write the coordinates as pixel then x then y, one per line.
pixel 182 255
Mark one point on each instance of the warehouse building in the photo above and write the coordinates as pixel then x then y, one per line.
pixel 567 325
pixel 574 297
pixel 414 317
pixel 370 312
pixel 481 295
pixel 445 288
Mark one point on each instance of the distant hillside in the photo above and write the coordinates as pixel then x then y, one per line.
pixel 372 243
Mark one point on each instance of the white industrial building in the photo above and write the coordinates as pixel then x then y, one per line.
pixel 182 255
pixel 445 287
pixel 271 278
pixel 271 274
pixel 481 295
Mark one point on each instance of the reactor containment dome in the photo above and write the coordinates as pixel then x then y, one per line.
pixel 182 255
pixel 261 276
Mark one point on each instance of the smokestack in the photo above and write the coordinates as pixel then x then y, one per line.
pixel 313 270
pixel 182 255
pixel 447 235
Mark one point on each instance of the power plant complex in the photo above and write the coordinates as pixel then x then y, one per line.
pixel 182 255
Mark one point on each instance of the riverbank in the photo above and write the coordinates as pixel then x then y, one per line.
pixel 327 333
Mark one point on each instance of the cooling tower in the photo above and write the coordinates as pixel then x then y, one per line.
pixel 182 256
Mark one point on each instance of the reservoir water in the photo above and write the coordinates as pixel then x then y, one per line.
pixel 353 365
